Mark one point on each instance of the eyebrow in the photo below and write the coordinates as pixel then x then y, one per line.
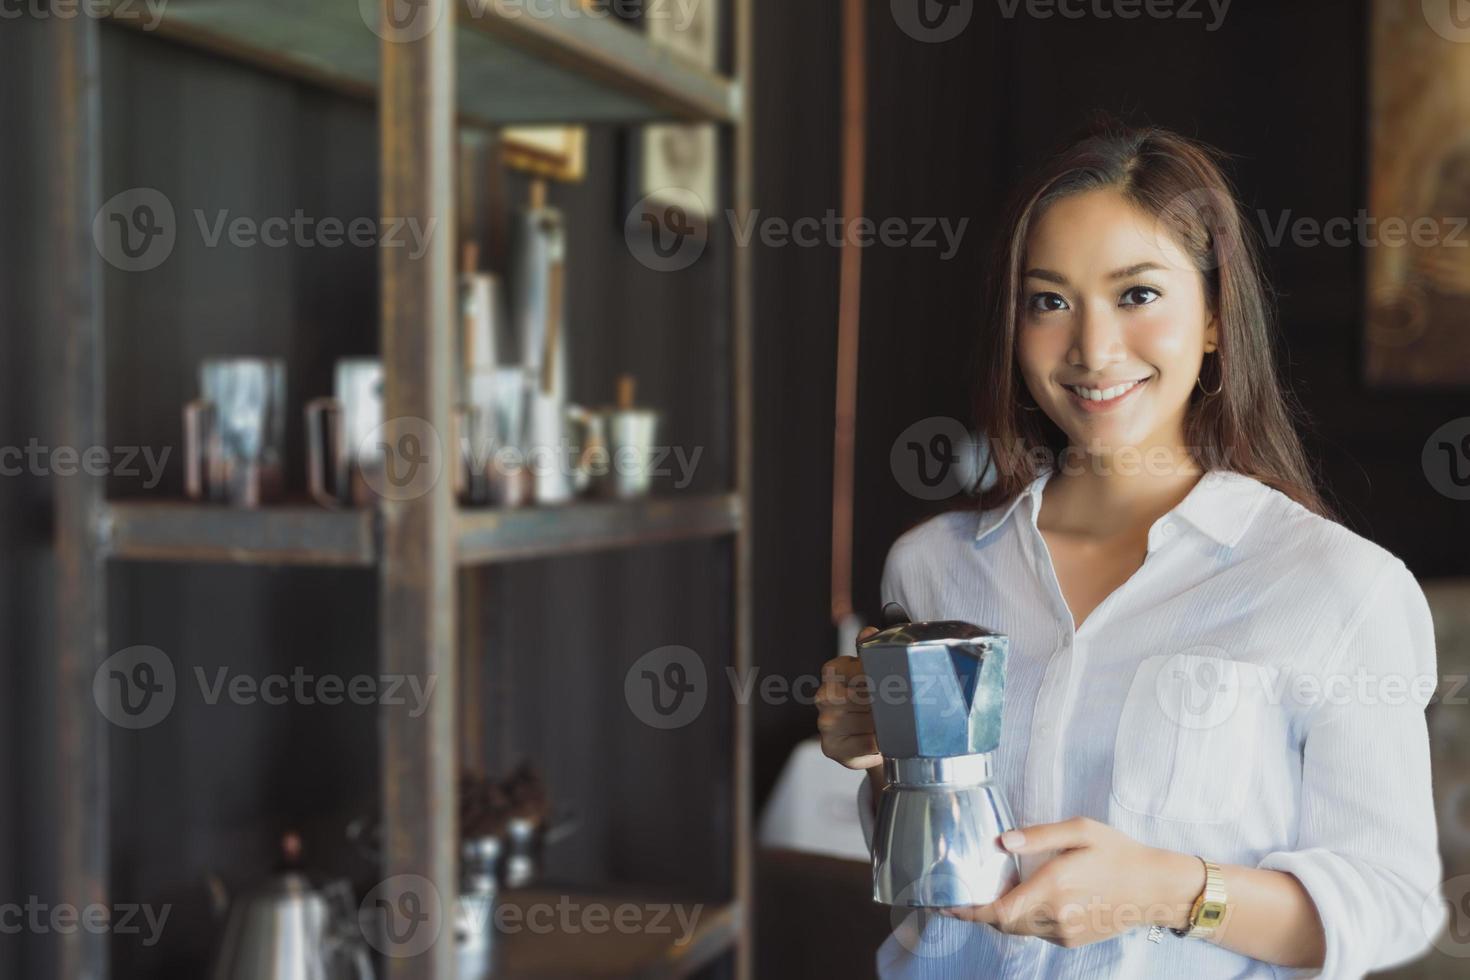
pixel 1124 273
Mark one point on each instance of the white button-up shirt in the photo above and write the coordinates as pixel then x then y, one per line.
pixel 1253 694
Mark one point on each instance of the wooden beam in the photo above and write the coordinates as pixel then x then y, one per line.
pixel 744 296
pixel 75 311
pixel 417 578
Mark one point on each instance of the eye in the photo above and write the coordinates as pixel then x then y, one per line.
pixel 1046 303
pixel 1148 294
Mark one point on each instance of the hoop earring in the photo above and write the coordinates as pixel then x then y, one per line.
pixel 1218 387
pixel 1030 408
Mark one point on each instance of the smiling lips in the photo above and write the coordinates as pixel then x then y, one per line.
pixel 1100 399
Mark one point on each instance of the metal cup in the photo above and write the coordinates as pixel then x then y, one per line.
pixel 631 437
pixel 491 435
pixel 338 431
pixel 234 433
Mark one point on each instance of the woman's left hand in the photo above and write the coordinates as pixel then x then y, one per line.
pixel 1101 884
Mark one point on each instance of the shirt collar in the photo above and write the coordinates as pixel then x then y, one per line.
pixel 1220 506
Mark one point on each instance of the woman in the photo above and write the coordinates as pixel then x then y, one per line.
pixel 1210 682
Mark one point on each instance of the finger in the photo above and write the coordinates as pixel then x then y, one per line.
pixel 836 694
pixel 844 724
pixel 854 752
pixel 1061 836
pixel 841 668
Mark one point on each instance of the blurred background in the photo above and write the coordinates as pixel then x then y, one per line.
pixel 250 221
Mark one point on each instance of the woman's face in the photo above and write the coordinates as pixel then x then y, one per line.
pixel 1111 304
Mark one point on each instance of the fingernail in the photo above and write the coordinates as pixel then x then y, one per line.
pixel 1013 839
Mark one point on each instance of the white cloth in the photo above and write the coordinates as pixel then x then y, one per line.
pixel 811 807
pixel 1183 713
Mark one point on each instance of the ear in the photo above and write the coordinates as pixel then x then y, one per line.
pixel 1212 335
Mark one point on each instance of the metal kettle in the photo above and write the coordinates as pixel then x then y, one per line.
pixel 286 928
pixel 938 690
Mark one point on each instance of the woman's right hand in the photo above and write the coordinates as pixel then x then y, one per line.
pixel 845 712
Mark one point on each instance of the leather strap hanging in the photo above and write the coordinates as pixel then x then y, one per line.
pixel 854 160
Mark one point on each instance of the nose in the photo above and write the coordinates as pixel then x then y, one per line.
pixel 1097 339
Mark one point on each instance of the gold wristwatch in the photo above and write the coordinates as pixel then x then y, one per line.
pixel 1209 907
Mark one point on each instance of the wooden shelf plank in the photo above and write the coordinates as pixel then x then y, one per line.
pixel 518 62
pixel 555 934
pixel 304 534
pixel 487 536
pixel 193 532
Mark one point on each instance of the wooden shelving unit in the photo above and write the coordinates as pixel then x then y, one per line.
pixel 481 63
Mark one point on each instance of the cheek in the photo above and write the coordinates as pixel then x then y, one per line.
pixel 1168 338
pixel 1039 348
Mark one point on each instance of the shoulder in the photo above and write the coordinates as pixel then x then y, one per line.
pixel 936 535
pixel 929 544
pixel 1314 556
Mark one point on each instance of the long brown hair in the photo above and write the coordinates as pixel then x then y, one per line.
pixel 1248 426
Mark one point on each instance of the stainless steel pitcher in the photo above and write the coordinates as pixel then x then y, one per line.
pixel 938 689
pixel 288 929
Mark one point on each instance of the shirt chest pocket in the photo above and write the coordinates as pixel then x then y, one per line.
pixel 1189 737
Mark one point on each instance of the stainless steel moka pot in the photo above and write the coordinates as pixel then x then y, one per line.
pixel 937 690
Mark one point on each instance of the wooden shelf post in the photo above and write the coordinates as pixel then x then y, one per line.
pixel 417 577
pixel 80 870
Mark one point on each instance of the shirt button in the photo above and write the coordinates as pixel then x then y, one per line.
pixel 1169 530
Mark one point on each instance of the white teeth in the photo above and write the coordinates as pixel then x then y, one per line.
pixel 1102 394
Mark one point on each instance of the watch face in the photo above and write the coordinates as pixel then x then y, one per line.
pixel 1210 914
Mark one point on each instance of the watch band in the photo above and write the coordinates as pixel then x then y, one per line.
pixel 1209 908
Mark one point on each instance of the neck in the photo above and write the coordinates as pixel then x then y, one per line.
pixel 1100 495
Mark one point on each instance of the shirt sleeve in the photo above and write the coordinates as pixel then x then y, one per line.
pixel 893 587
pixel 1367 846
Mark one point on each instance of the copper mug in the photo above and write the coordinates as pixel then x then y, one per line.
pixel 342 454
pixel 234 433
